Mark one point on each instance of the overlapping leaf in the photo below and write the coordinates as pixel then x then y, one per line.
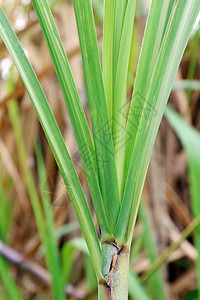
pixel 74 107
pixel 55 139
pixel 98 109
pixel 151 111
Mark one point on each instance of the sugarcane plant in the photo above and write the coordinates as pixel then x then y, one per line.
pixel 116 154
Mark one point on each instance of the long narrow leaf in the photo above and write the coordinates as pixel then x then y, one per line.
pixel 52 254
pixel 120 84
pixel 136 289
pixel 120 10
pixel 170 55
pixel 8 281
pixel 153 109
pixel 98 109
pixel 6 205
pixel 5 277
pixel 13 111
pixel 55 139
pixel 108 28
pixel 150 49
pixel 157 282
pixel 74 107
pixel 169 14
pixel 190 139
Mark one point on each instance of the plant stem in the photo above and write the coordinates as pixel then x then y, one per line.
pixel 115 269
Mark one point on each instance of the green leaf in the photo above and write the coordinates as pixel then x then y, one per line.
pixel 74 107
pixel 190 140
pixel 187 85
pixel 119 15
pixel 136 289
pixel 5 213
pixel 150 112
pixel 52 253
pixel 153 35
pixel 90 275
pixel 98 109
pixel 67 255
pixel 13 111
pixel 6 205
pixel 157 282
pixel 169 14
pixel 120 86
pixel 9 283
pixel 98 6
pixel 66 229
pixel 54 138
pixel 80 244
pixel 108 27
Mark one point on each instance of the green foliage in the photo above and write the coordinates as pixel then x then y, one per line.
pixel 190 140
pixel 159 60
pixel 136 289
pixel 6 204
pixel 98 109
pixel 9 283
pixel 11 289
pixel 157 280
pixel 73 104
pixel 54 137
pixel 117 158
pixel 45 225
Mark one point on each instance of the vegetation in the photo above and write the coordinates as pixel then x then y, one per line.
pixel 116 154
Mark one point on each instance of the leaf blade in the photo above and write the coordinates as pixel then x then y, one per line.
pixel 158 93
pixel 9 283
pixel 75 110
pixel 190 140
pixel 120 88
pixel 136 289
pixel 156 23
pixel 98 109
pixel 55 139
pixel 108 27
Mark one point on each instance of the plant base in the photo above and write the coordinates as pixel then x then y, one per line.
pixel 115 268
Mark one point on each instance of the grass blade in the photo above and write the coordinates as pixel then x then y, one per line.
pixel 99 7
pixel 6 205
pixel 108 27
pixel 120 86
pixel 5 277
pixel 171 248
pixel 9 283
pixel 150 49
pixel 193 85
pixel 67 256
pixel 152 112
pixel 190 140
pixel 98 109
pixel 169 14
pixel 55 140
pixel 90 275
pixel 13 112
pixel 119 14
pixel 46 231
pixel 66 229
pixel 74 106
pixel 157 280
pixel 51 243
pixel 136 289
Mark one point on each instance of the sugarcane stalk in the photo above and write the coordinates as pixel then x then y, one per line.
pixel 115 268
